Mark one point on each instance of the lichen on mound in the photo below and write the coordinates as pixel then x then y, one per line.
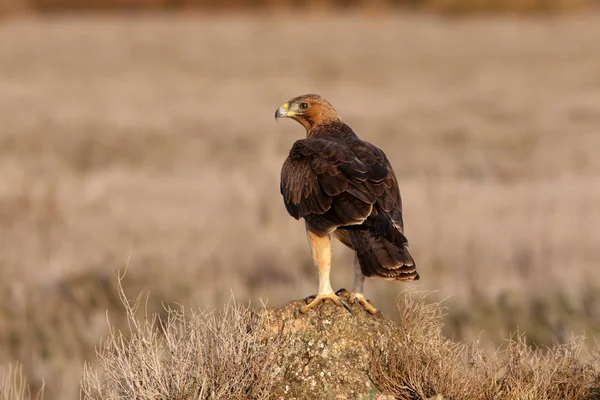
pixel 327 353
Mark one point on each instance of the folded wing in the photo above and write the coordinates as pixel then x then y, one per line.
pixel 333 182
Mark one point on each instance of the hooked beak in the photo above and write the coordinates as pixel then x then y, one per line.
pixel 284 111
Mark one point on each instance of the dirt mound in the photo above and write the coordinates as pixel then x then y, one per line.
pixel 328 352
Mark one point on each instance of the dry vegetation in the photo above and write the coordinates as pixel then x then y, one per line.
pixel 200 355
pixel 152 138
pixel 13 385
pixel 422 363
pixel 228 356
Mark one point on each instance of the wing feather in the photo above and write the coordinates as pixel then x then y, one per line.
pixel 300 189
pixel 335 180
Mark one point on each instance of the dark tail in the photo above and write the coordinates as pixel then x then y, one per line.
pixel 382 250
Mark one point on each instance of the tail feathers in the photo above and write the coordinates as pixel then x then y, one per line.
pixel 374 262
pixel 384 253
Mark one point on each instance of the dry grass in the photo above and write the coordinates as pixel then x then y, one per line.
pixel 13 384
pixel 424 363
pixel 199 355
pixel 203 356
pixel 153 137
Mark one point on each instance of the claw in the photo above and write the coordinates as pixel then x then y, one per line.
pixel 320 298
pixel 366 304
pixel 345 304
pixel 342 293
pixel 310 298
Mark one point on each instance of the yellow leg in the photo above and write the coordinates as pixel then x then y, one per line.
pixel 320 247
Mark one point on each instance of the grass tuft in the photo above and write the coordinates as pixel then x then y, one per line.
pixel 13 384
pixel 186 355
pixel 423 363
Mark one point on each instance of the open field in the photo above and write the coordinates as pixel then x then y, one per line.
pixel 150 140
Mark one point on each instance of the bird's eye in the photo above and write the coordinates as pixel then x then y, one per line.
pixel 303 106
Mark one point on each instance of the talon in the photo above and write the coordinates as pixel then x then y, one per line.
pixel 345 304
pixel 310 298
pixel 341 302
pixel 320 298
pixel 366 304
pixel 342 293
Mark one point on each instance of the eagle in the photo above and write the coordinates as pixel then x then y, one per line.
pixel 343 187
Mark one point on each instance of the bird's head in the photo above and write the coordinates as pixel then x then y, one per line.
pixel 310 110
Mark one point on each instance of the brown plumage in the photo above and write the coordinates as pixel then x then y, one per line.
pixel 344 186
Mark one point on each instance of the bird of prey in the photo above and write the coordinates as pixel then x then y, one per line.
pixel 345 187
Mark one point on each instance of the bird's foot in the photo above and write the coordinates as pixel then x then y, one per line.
pixel 354 297
pixel 316 301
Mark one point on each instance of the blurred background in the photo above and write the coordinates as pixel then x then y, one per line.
pixel 141 133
